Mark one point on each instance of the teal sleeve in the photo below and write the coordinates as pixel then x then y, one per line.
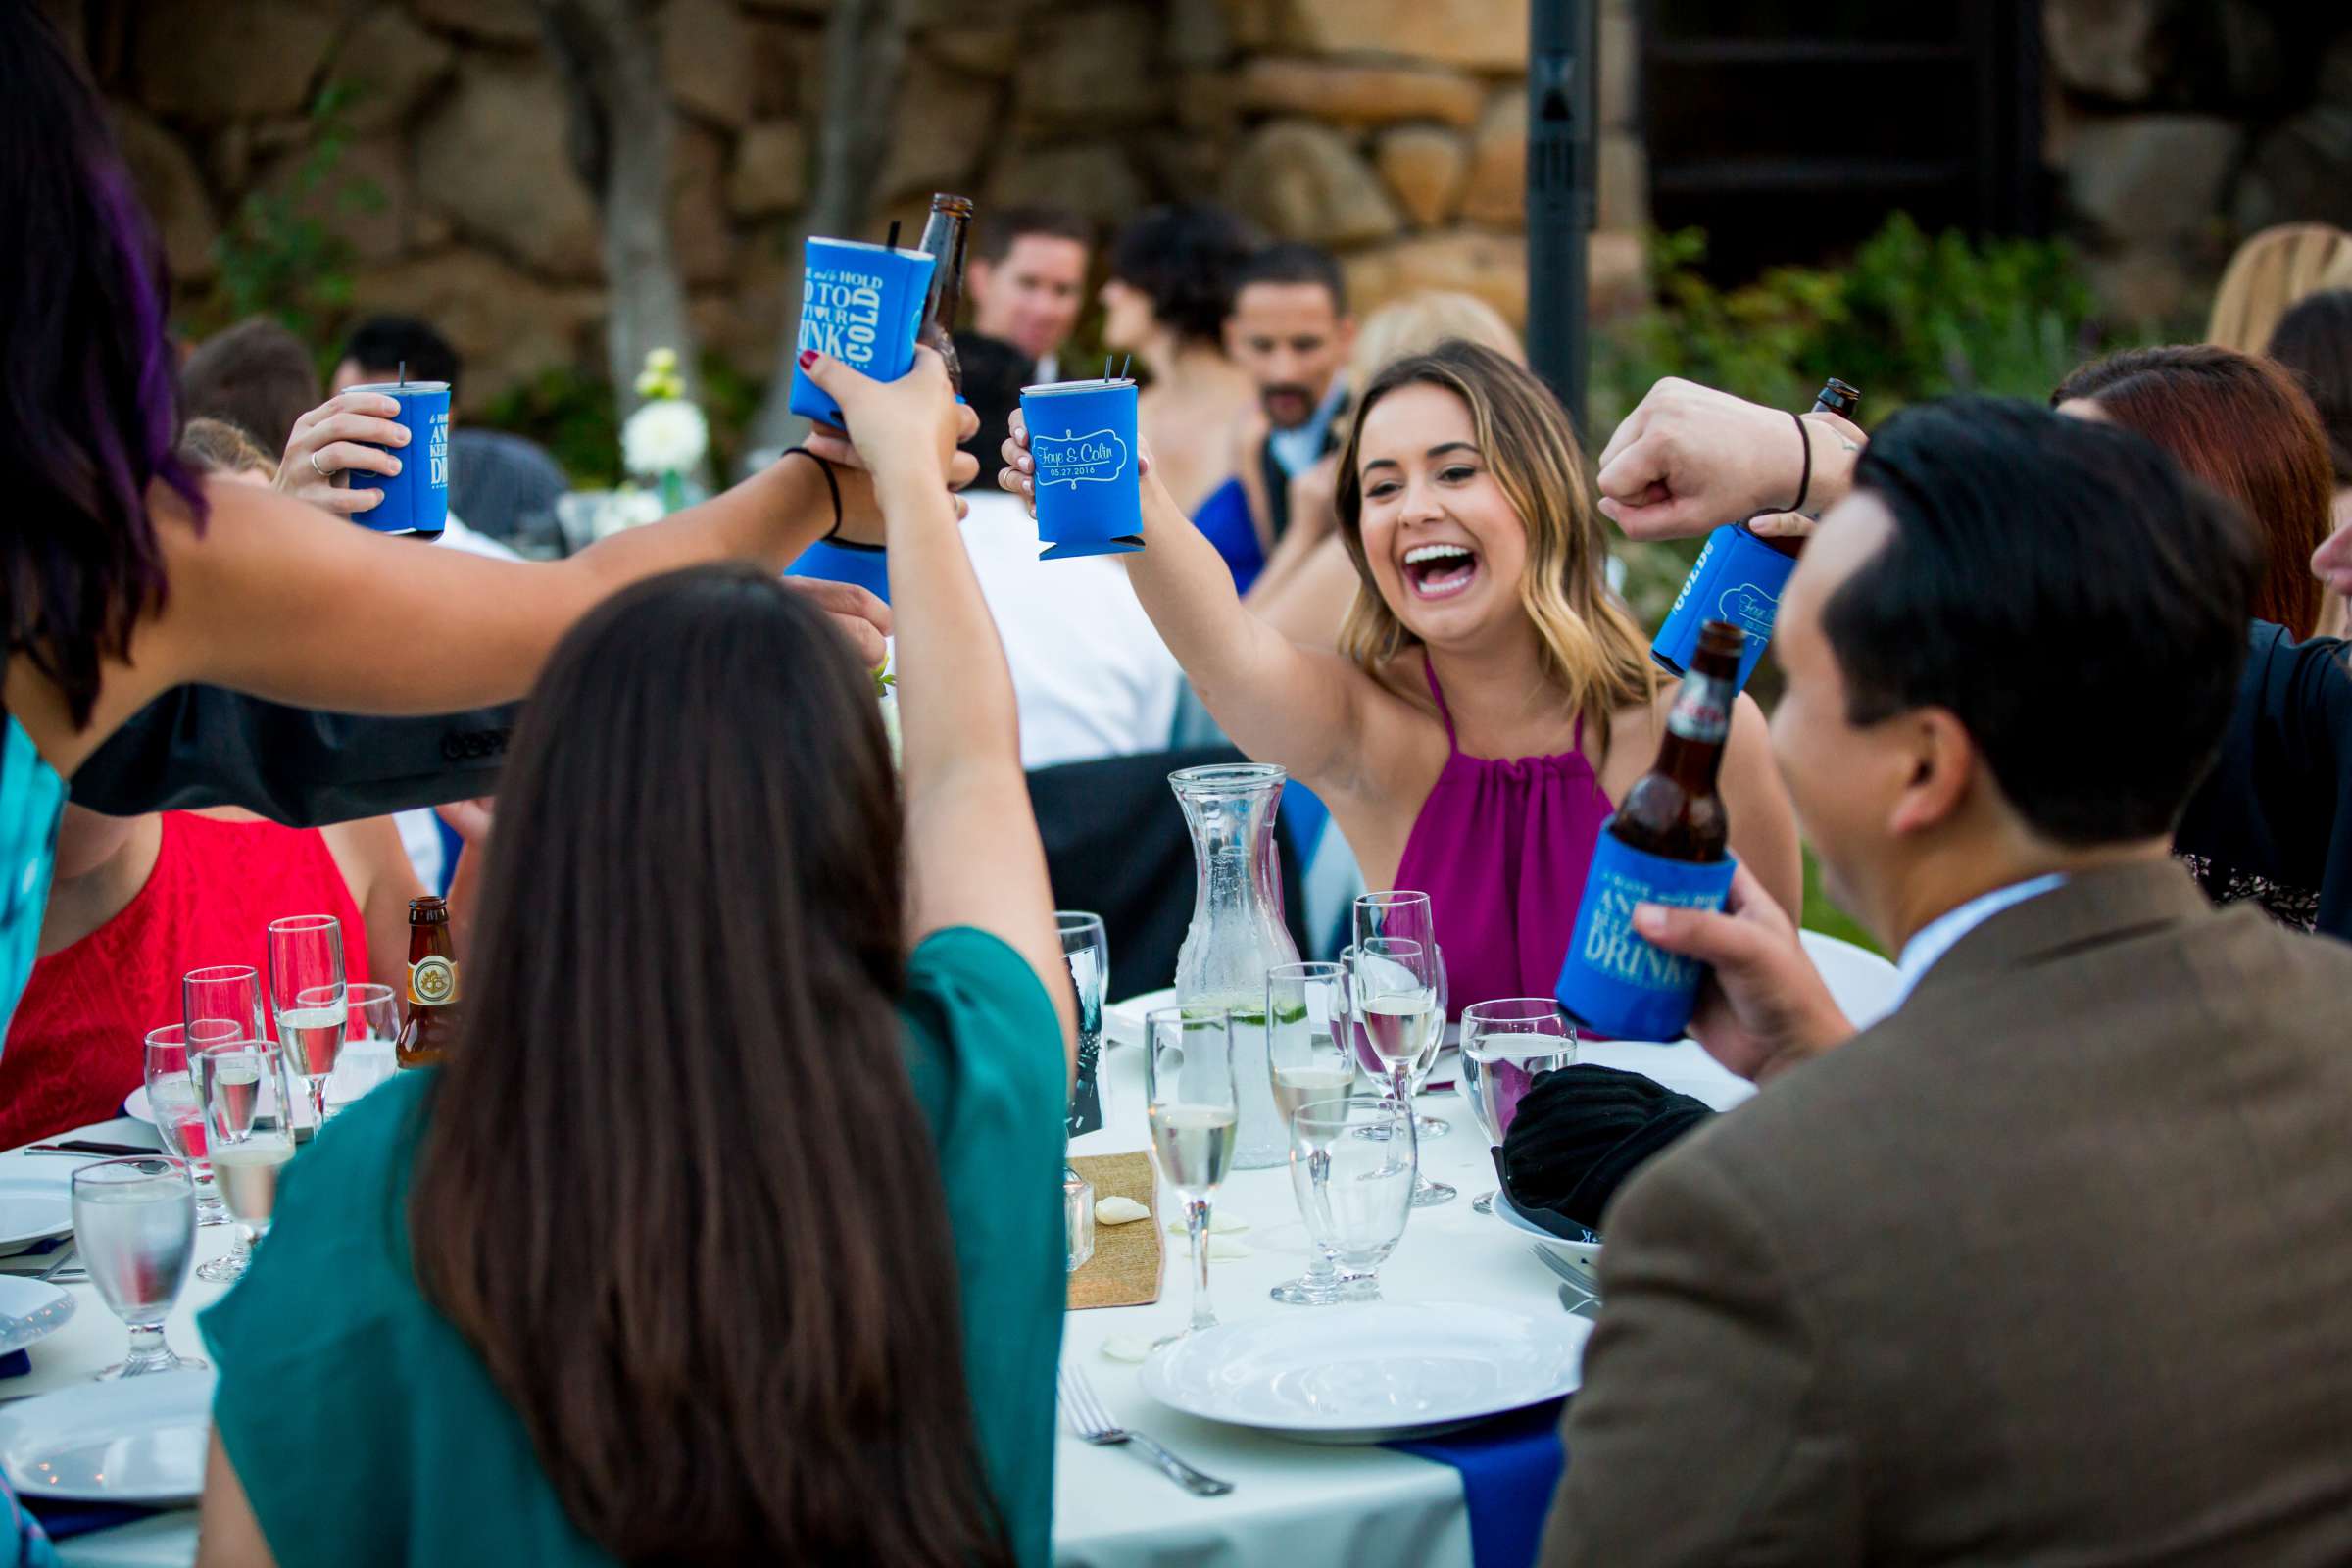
pixel 985 1051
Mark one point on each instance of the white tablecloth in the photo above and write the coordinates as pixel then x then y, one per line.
pixel 1293 1504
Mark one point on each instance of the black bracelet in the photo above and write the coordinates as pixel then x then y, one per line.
pixel 831 484
pixel 1805 482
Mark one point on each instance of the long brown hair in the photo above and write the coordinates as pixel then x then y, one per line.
pixel 2243 426
pixel 1591 649
pixel 676 1188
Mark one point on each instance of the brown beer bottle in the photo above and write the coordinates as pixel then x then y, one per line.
pixel 1834 397
pixel 946 233
pixel 1672 811
pixel 432 1022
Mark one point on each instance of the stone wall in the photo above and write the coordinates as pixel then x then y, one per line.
pixel 1392 130
pixel 2178 127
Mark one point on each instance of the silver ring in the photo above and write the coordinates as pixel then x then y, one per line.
pixel 320 472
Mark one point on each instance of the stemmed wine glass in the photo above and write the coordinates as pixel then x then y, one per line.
pixel 249 1125
pixel 1506 1046
pixel 222 1002
pixel 308 995
pixel 134 1221
pixel 1309 1059
pixel 1393 1014
pixel 179 1115
pixel 1353 1165
pixel 1408 917
pixel 1189 1095
pixel 369 1044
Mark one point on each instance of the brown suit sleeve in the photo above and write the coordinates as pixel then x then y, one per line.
pixel 1704 1434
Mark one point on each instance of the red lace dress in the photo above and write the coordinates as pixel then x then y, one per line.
pixel 77 1043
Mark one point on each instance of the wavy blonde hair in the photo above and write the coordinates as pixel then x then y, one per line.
pixel 1593 651
pixel 2270 273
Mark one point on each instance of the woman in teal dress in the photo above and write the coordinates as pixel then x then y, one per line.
pixel 753 1124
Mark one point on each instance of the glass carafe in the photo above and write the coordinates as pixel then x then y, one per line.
pixel 1237 932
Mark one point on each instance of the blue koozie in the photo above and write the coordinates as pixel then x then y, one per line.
pixel 1738 578
pixel 1090 499
pixel 1613 982
pixel 859 304
pixel 417 498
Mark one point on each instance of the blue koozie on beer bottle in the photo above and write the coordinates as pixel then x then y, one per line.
pixel 1613 982
pixel 417 498
pixel 1738 578
pixel 859 304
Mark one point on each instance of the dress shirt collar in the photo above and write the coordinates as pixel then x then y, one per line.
pixel 1298 450
pixel 1930 941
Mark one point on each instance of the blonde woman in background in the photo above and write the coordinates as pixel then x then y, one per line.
pixel 1309 583
pixel 2271 272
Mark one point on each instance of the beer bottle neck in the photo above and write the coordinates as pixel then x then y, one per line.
pixel 1690 753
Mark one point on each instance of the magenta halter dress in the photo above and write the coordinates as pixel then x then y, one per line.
pixel 1501 848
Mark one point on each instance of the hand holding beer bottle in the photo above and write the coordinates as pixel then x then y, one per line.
pixel 1763 1006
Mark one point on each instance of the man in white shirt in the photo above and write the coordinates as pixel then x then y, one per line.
pixel 2050 1264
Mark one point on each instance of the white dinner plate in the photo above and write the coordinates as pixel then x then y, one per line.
pixel 1124 1021
pixel 35 1204
pixel 1369 1373
pixel 1583 1256
pixel 137 1440
pixel 30 1310
pixel 134 1106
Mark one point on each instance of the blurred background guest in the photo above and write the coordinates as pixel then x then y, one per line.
pixel 1172 272
pixel 502 485
pixel 1026 279
pixel 869 1186
pixel 1290 329
pixel 2268 273
pixel 255 376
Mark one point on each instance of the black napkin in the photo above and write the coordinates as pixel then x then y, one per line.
pixel 1582 1131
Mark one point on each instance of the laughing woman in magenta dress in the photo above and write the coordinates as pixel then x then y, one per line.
pixel 1491 700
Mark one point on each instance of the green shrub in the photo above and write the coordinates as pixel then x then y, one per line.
pixel 284 254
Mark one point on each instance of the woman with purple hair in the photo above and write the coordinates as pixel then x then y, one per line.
pixel 122 574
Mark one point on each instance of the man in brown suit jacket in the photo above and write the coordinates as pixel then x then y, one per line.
pixel 2054 1264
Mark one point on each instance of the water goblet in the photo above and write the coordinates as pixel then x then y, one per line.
pixel 1309 1058
pixel 249 1127
pixel 1394 1019
pixel 1193 1109
pixel 368 1050
pixel 1506 1045
pixel 1353 1164
pixel 308 997
pixel 179 1115
pixel 134 1221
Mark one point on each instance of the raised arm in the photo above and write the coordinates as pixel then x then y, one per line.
pixel 1689 459
pixel 1279 703
pixel 273 598
pixel 974 854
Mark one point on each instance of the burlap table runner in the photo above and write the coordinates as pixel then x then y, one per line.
pixel 1125 1268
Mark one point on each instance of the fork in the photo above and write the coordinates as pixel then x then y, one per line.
pixel 1094 1425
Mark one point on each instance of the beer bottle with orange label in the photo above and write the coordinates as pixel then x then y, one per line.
pixel 432 1022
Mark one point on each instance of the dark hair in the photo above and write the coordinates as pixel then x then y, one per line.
pixel 216 446
pixel 2314 341
pixel 676 1188
pixel 86 414
pixel 2243 426
pixel 1008 227
pixel 1185 258
pixel 2070 596
pixel 257 376
pixel 1294 262
pixel 384 343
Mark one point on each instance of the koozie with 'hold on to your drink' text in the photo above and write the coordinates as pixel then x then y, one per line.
pixel 1613 982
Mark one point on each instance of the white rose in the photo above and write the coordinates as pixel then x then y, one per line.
pixel 665 435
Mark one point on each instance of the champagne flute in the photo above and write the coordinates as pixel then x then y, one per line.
pixel 1506 1046
pixel 1392 1006
pixel 1194 1109
pixel 1309 1059
pixel 134 1221
pixel 1408 917
pixel 179 1115
pixel 308 995
pixel 1354 1166
pixel 1086 948
pixel 367 1048
pixel 249 1127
